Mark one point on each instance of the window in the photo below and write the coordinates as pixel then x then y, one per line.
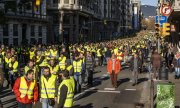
pixel 15 41
pixel 15 29
pixel 6 30
pixel 40 31
pixel 6 41
pixel 66 1
pixel 32 31
pixel 40 41
pixel 33 41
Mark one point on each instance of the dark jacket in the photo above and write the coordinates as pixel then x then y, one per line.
pixel 132 64
pixel 156 60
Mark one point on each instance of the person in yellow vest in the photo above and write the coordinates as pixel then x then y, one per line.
pixel 31 65
pixel 26 90
pixel 48 88
pixel 48 54
pixel 62 62
pixel 119 55
pixel 99 55
pixel 54 52
pixel 77 65
pixel 41 62
pixel 7 60
pixel 31 53
pixel 13 70
pixel 69 67
pixel 54 68
pixel 65 92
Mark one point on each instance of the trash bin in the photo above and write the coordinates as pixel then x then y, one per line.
pixel 163 74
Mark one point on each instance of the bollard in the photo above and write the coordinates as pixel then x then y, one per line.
pixel 163 74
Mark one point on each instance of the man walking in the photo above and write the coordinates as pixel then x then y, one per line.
pixel 26 90
pixel 135 64
pixel 65 92
pixel 113 68
pixel 47 87
pixel 156 63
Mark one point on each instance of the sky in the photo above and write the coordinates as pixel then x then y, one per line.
pixel 149 2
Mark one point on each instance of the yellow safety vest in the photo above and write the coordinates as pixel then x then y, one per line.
pixel 7 61
pixel 62 63
pixel 24 90
pixel 54 69
pixel 98 53
pixel 115 51
pixel 47 55
pixel 50 86
pixel 77 66
pixel 53 53
pixel 32 54
pixel 69 67
pixel 14 66
pixel 119 56
pixel 27 68
pixel 70 93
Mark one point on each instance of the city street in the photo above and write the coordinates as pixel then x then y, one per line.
pixel 102 95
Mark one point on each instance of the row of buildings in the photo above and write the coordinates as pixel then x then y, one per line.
pixel 70 21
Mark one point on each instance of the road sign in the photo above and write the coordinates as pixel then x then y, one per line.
pixel 162 19
pixel 166 10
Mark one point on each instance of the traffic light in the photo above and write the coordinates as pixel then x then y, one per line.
pixel 158 30
pixel 166 29
pixel 38 2
pixel 105 22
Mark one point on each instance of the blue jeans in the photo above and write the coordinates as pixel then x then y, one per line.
pixel 177 71
pixel 78 79
pixel 45 104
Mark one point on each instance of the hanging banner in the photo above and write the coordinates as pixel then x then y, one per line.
pixel 165 96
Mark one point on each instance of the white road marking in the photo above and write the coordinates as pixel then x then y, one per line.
pixel 130 89
pixel 105 91
pixel 109 89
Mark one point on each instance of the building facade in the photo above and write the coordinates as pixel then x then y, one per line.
pixel 174 20
pixel 85 20
pixel 136 17
pixel 24 22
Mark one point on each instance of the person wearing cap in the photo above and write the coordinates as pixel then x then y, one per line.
pixel 65 92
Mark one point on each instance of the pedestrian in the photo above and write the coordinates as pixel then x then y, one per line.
pixel 26 90
pixel 135 68
pixel 65 92
pixel 47 88
pixel 77 65
pixel 13 70
pixel 113 68
pixel 156 63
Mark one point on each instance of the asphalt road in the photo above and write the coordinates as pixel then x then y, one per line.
pixel 101 95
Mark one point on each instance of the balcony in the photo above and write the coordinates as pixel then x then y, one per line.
pixel 26 15
pixel 52 6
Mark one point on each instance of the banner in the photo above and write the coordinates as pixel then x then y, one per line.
pixel 165 96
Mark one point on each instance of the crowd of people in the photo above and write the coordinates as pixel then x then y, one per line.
pixel 55 73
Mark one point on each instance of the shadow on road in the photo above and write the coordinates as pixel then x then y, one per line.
pixel 85 95
pixel 141 80
pixel 121 81
pixel 84 106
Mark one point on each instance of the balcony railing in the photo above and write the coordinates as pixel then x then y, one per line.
pixel 27 15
